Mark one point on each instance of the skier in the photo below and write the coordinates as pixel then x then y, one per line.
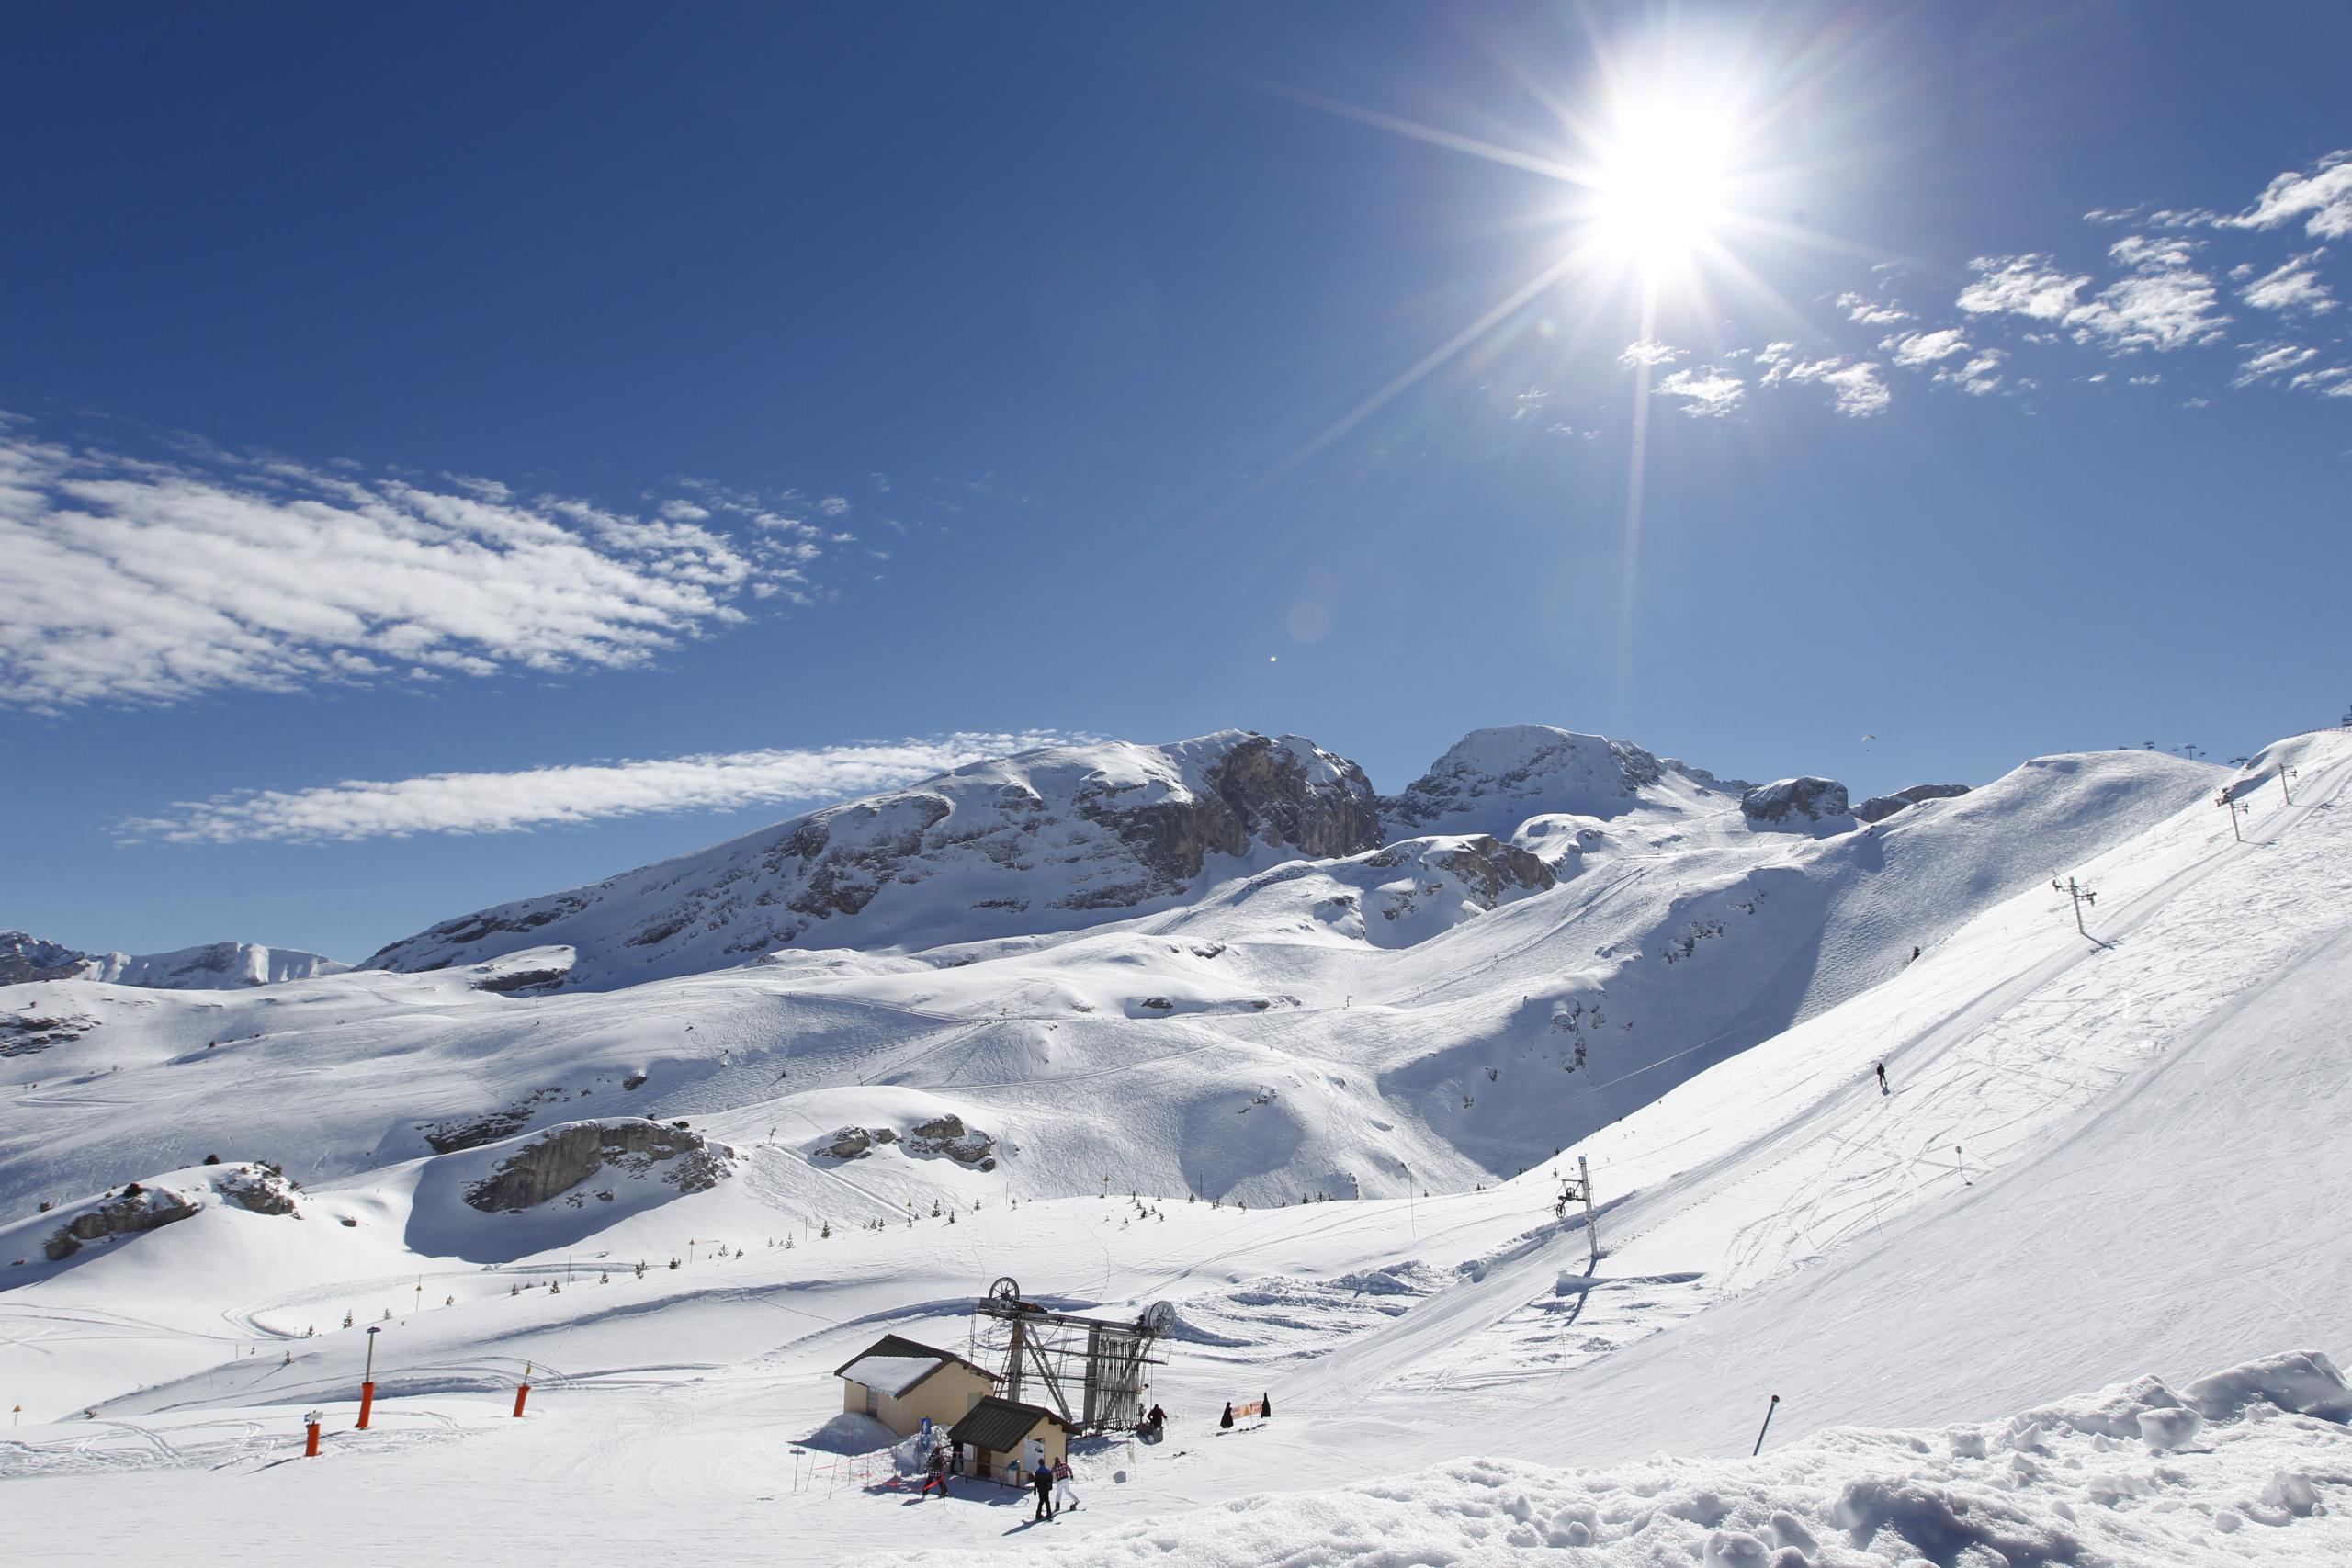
pixel 1915 956
pixel 1064 1495
pixel 1225 1421
pixel 1153 1423
pixel 1043 1481
pixel 1881 1079
pixel 938 1476
pixel 1266 1406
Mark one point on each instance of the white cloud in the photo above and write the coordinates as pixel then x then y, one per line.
pixel 1913 350
pixel 1978 377
pixel 2292 287
pixel 833 505
pixel 2325 193
pixel 2021 286
pixel 2145 253
pixel 2335 381
pixel 2165 305
pixel 1649 351
pixel 2272 360
pixel 2160 309
pixel 1707 390
pixel 536 797
pixel 1860 392
pixel 1870 312
pixel 1530 403
pixel 137 581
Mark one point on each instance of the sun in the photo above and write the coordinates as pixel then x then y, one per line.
pixel 1659 180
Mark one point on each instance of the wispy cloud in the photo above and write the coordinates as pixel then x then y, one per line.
pixel 2322 197
pixel 538 797
pixel 1914 350
pixel 1708 391
pixel 2028 286
pixel 1859 391
pixel 1649 351
pixel 2164 304
pixel 1871 312
pixel 131 580
pixel 2272 359
pixel 2293 286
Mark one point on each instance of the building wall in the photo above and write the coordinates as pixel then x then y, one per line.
pixel 943 1396
pixel 1057 1448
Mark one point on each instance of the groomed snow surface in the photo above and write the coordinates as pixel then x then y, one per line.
pixel 2110 1161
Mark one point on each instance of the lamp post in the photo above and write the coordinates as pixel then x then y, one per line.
pixel 367 1380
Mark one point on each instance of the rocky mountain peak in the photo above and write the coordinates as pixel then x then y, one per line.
pixel 1492 780
pixel 1051 839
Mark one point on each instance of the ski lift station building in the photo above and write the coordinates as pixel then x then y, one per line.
pixel 997 1432
pixel 898 1381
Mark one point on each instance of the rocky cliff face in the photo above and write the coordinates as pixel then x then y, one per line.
pixel 1794 803
pixel 139 1209
pixel 1048 841
pixel 1878 807
pixel 566 1158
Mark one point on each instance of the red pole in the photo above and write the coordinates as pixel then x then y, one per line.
pixel 367 1387
pixel 521 1392
pixel 310 1449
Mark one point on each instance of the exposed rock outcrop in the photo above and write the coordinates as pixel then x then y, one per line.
pixel 564 1158
pixel 139 1209
pixel 1878 807
pixel 472 1132
pixel 944 1134
pixel 29 1034
pixel 1794 802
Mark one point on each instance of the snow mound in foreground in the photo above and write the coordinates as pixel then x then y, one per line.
pixel 2260 1482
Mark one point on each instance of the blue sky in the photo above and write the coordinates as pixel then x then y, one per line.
pixel 453 457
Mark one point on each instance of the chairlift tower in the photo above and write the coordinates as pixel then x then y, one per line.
pixel 1092 1369
pixel 2237 809
pixel 2080 895
pixel 1578 1189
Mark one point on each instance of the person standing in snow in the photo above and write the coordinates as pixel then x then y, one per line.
pixel 1064 1497
pixel 938 1468
pixel 1043 1479
pixel 1226 1420
pixel 1881 1079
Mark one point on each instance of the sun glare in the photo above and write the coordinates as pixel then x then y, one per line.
pixel 1661 180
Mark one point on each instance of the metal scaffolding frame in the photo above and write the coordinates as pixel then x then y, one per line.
pixel 1089 1369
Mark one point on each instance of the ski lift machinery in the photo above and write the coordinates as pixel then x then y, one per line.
pixel 1090 1369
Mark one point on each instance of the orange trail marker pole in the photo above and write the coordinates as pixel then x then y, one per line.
pixel 310 1419
pixel 367 1378
pixel 521 1392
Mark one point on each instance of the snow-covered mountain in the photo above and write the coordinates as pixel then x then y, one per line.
pixel 218 965
pixel 1048 841
pixel 2103 1159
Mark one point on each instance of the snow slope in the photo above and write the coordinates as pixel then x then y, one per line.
pixel 2104 1155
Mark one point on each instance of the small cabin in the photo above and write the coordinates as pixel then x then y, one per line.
pixel 898 1381
pixel 995 1433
